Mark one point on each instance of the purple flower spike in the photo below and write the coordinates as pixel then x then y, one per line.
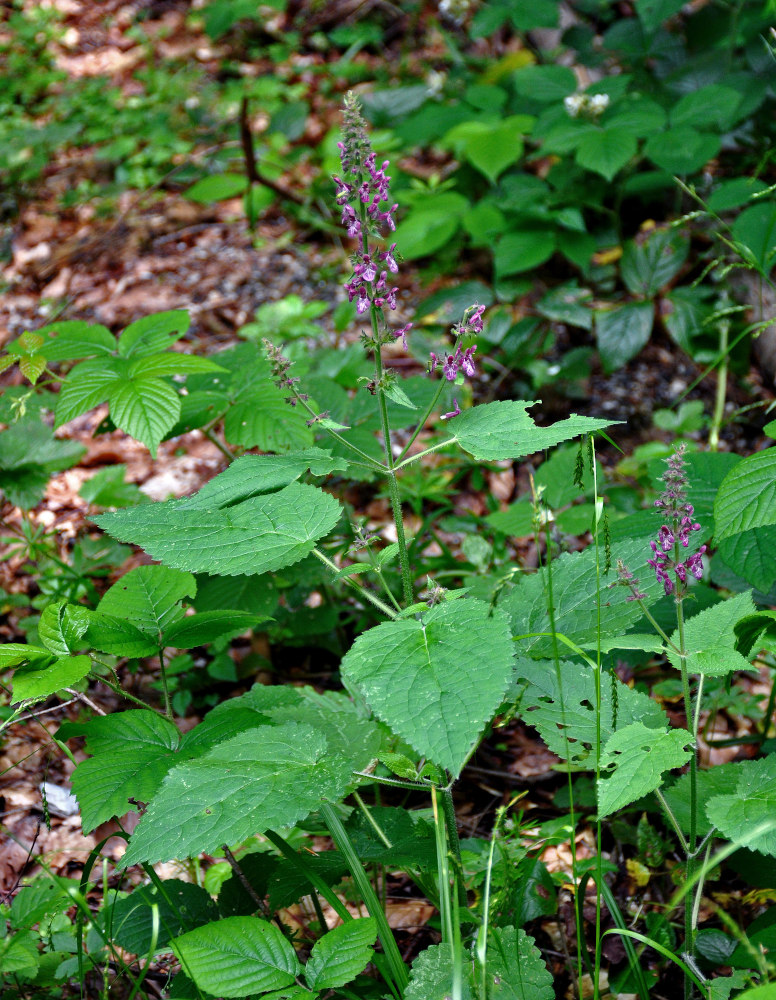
pixel 672 502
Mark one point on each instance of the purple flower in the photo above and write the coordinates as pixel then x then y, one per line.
pixel 454 412
pixel 402 332
pixel 679 515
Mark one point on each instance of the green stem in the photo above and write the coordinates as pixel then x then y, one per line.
pixel 312 876
pixel 339 835
pixel 422 454
pixel 370 462
pixel 165 688
pixel 721 393
pixel 381 605
pixel 214 439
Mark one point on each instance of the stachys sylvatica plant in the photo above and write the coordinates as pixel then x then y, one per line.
pixel 424 676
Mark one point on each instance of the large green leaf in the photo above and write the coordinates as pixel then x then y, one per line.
pixel 710 639
pixel 682 150
pixel 73 339
pixel 751 556
pixel 649 264
pixel 196 630
pixel 152 334
pixel 171 363
pixel 719 780
pixel 435 680
pixel 145 408
pixel 633 762
pixel 747 496
pixel 269 777
pixel 133 752
pixel 560 704
pixel 579 613
pixel 522 251
pixel 253 536
pixel 622 332
pixel 516 967
pixel 61 627
pixel 504 430
pixel 753 803
pixel 88 385
pixel 29 455
pixel 339 956
pixel 36 681
pixel 431 224
pixel 237 957
pixel 149 597
pixel 489 146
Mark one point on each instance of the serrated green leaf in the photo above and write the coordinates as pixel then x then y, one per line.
pixel 649 264
pixel 606 151
pixel 560 704
pixel 35 681
pixel 32 367
pixel 12 653
pixel 171 363
pixel 266 778
pixel 134 750
pixel 753 804
pixel 87 385
pixel 145 408
pixel 343 953
pixel 633 761
pixel 747 496
pixel 720 780
pixel 710 639
pixel 76 339
pixel 713 106
pixel 261 418
pixel 254 594
pixel 622 332
pixel 61 626
pixel 682 150
pixel 516 968
pixel 237 957
pixel 29 454
pixel 254 536
pixel 181 907
pixel 113 635
pixel 575 582
pixel 395 392
pixel 197 630
pixel 149 597
pixel 153 334
pixel 435 681
pixel 431 977
pixel 504 430
pixel 750 556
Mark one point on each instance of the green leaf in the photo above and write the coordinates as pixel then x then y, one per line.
pixel 197 630
pixel 85 389
pixel 711 107
pixel 575 584
pixel 134 750
pixel 490 147
pixel 606 151
pixel 750 556
pixel 118 637
pixel 12 653
pixel 544 83
pixel 648 265
pixel 152 334
pixel 145 408
pixel 562 708
pixel 652 13
pixel 254 594
pixel 720 780
pixel 432 224
pixel 149 597
pixel 19 954
pixel 710 639
pixel 265 778
pixel 435 681
pixel 522 251
pixel 254 536
pixel 622 332
pixel 261 418
pixel 516 967
pixel 76 339
pixel 29 454
pixel 108 488
pixel 635 758
pixel 339 956
pixel 754 232
pixel 504 430
pixel 752 804
pixel 61 626
pixel 172 363
pixel 217 188
pixel 238 957
pixel 431 977
pixel 682 150
pixel 747 496
pixel 181 907
pixel 35 681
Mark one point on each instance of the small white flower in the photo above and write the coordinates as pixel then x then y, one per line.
pixel 598 103
pixel 574 104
